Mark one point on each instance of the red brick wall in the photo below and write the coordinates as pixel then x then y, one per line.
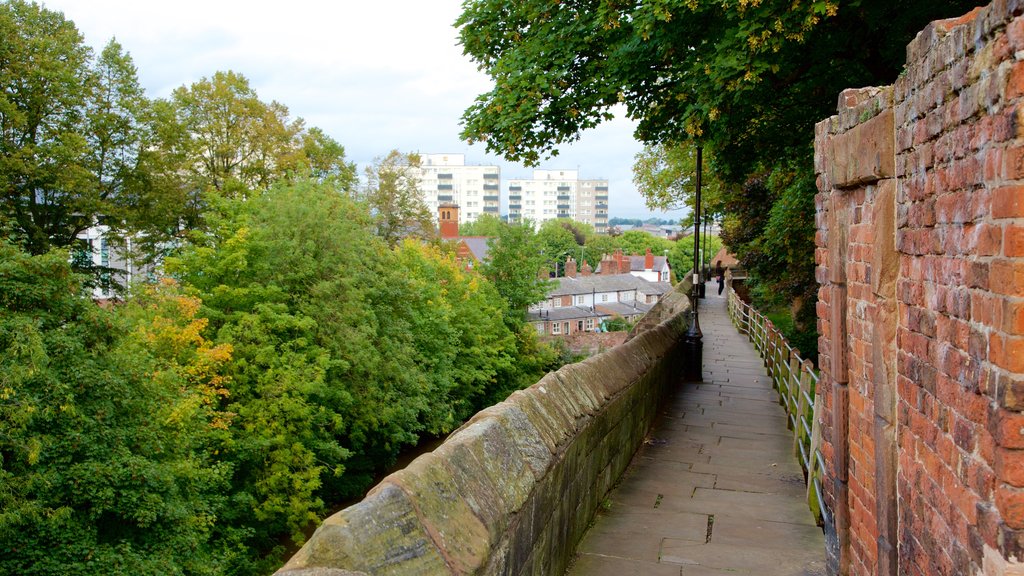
pixel 921 308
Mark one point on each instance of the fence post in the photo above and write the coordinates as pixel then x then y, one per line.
pixel 801 382
pixel 815 440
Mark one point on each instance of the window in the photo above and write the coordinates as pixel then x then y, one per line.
pixel 579 299
pixel 565 327
pixel 556 328
pixel 579 326
pixel 604 297
pixel 590 323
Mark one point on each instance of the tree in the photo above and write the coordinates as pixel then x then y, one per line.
pixel 557 244
pixel 746 80
pixel 665 175
pixel 638 241
pixel 227 139
pixel 599 245
pixel 70 133
pixel 393 195
pixel 514 266
pixel 109 428
pixel 484 225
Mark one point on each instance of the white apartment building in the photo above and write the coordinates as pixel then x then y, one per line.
pixel 445 178
pixel 554 194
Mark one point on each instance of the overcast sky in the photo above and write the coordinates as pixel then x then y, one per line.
pixel 375 75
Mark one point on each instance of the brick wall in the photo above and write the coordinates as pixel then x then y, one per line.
pixel 920 252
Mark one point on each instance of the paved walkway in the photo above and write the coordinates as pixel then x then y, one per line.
pixel 716 489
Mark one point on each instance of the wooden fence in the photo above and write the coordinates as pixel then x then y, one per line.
pixel 796 381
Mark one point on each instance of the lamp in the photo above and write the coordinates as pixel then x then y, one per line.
pixel 693 345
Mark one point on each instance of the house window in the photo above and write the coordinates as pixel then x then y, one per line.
pixel 590 323
pixel 565 326
pixel 579 299
pixel 579 326
pixel 604 297
pixel 556 328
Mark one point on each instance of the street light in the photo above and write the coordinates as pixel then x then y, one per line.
pixel 693 345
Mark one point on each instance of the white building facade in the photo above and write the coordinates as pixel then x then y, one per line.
pixel 446 178
pixel 552 194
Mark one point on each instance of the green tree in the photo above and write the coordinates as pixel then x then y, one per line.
pixel 599 245
pixel 638 241
pixel 393 195
pixel 229 139
pixel 109 426
pixel 484 225
pixel 665 175
pixel 514 267
pixel 557 243
pixel 746 80
pixel 72 131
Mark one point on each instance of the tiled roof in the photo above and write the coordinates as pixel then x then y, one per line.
pixel 636 263
pixel 565 313
pixel 623 309
pixel 608 283
pixel 478 246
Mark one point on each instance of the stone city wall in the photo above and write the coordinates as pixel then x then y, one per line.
pixel 920 253
pixel 514 489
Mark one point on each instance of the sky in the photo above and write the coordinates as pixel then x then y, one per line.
pixel 375 75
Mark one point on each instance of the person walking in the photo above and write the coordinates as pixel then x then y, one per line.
pixel 720 272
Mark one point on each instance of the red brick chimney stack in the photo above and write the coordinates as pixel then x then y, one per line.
pixel 570 268
pixel 623 262
pixel 586 270
pixel 648 260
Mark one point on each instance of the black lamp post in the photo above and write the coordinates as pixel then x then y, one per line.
pixel 693 345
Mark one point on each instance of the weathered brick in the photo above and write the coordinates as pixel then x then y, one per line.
pixel 1008 201
pixel 1010 502
pixel 1013 240
pixel 1007 352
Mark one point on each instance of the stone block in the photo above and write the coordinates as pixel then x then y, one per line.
pixel 373 536
pixel 885 260
pixel 865 153
pixel 485 452
pixel 442 504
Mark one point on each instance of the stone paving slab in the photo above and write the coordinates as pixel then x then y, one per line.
pixel 716 488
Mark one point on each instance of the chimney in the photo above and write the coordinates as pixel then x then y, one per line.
pixel 607 262
pixel 648 260
pixel 586 270
pixel 623 262
pixel 448 220
pixel 570 267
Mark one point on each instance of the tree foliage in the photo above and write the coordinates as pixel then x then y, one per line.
pixel 746 80
pixel 665 175
pixel 109 427
pixel 484 225
pixel 514 267
pixel 395 201
pixel 72 138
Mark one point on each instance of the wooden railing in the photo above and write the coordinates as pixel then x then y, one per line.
pixel 796 381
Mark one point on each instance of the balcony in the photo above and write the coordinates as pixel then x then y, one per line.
pixel 494 198
pixel 445 187
pixel 488 186
pixel 492 176
pixel 491 209
pixel 444 198
pixel 444 176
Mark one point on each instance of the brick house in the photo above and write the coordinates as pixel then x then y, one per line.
pixel 582 303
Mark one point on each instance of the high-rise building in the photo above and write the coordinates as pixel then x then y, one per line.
pixel 554 194
pixel 446 179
